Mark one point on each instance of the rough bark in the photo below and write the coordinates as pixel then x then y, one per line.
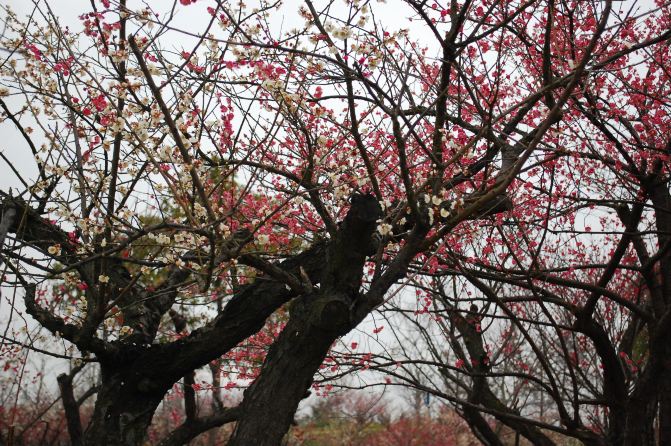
pixel 480 428
pixel 639 420
pixel 650 399
pixel 317 319
pixel 123 410
pixel 192 428
pixel 270 403
pixel 71 408
pixel 136 379
pixel 665 403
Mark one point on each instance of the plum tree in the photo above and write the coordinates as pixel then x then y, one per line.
pixel 276 187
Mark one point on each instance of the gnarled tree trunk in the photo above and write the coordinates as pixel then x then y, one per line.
pixel 272 400
pixel 317 319
pixel 123 410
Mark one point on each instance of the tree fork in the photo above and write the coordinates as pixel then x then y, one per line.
pixel 316 321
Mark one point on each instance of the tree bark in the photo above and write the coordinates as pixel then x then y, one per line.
pixel 190 429
pixel 639 426
pixel 123 410
pixel 270 403
pixel 646 397
pixel 481 428
pixel 664 436
pixel 316 320
pixel 71 408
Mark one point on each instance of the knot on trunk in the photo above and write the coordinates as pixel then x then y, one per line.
pixel 347 253
pixel 331 313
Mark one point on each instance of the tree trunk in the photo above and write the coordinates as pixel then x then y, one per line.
pixel 271 401
pixel 641 408
pixel 317 319
pixel 481 428
pixel 665 405
pixel 639 429
pixel 70 407
pixel 123 410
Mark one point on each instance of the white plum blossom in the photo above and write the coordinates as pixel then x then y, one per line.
pixel 200 211
pixel 342 191
pixel 342 33
pixel 272 84
pixel 384 229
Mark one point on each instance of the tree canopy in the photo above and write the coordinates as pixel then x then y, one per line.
pixel 246 188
